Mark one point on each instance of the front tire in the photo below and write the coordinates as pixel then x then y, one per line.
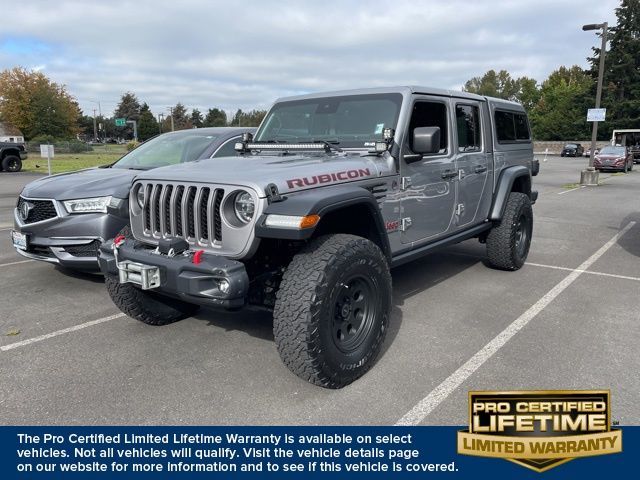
pixel 508 242
pixel 11 163
pixel 147 307
pixel 332 310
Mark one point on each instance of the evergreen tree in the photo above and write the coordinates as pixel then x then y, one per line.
pixel 129 109
pixel 147 124
pixel 215 118
pixel 180 119
pixel 196 118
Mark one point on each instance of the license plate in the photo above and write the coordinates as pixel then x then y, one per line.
pixel 19 240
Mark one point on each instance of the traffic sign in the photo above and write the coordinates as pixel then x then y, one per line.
pixel 596 114
pixel 121 122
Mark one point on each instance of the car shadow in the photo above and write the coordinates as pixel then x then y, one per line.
pixel 94 277
pixel 630 241
pixel 408 280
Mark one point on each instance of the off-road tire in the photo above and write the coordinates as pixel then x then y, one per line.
pixel 336 279
pixel 507 249
pixel 11 163
pixel 147 307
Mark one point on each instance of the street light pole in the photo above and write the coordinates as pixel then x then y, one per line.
pixel 160 120
pixel 590 175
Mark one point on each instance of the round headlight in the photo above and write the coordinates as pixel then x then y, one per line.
pixel 140 196
pixel 244 206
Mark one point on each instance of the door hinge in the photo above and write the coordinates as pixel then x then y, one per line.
pixel 405 224
pixel 460 209
pixel 405 183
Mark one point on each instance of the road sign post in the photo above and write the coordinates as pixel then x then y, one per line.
pixel 47 151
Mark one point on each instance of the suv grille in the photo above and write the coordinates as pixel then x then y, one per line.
pixel 186 211
pixel 41 210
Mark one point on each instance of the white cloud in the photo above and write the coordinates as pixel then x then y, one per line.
pixel 245 54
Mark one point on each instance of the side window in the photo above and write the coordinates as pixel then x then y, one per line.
pixel 505 129
pixel 228 149
pixel 468 126
pixel 522 127
pixel 430 114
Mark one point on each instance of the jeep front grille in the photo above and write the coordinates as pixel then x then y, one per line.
pixel 186 211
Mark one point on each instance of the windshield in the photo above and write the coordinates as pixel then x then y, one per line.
pixel 349 121
pixel 570 145
pixel 168 149
pixel 612 151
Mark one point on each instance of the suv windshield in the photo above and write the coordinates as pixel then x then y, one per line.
pixel 351 121
pixel 168 149
pixel 570 145
pixel 612 151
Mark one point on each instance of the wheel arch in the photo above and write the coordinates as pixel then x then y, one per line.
pixel 512 179
pixel 342 209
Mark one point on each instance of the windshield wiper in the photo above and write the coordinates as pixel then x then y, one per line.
pixel 329 144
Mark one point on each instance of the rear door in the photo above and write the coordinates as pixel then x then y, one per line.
pixel 474 163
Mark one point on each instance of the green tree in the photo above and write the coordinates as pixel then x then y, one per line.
pixel 33 103
pixel 147 124
pixel 560 113
pixel 248 119
pixel 196 118
pixel 215 118
pixel 180 119
pixel 501 85
pixel 129 109
pixel 621 86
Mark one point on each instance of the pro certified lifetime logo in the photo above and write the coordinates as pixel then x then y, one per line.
pixel 539 429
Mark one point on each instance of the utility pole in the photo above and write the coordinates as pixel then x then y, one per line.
pixel 590 175
pixel 160 120
pixel 95 127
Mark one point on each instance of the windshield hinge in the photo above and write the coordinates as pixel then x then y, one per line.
pixel 405 183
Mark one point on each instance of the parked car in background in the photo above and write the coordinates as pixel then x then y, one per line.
pixel 587 152
pixel 635 151
pixel 63 219
pixel 572 150
pixel 614 158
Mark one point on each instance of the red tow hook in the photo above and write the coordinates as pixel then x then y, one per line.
pixel 197 257
pixel 118 240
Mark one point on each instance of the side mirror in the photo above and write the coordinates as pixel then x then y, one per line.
pixel 426 140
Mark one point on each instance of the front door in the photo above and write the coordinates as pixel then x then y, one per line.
pixel 429 193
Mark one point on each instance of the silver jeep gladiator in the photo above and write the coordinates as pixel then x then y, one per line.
pixel 309 217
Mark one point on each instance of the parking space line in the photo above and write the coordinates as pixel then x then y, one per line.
pixel 57 333
pixel 425 406
pixel 571 189
pixel 15 263
pixel 613 275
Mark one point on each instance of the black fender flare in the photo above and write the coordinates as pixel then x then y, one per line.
pixel 321 201
pixel 506 180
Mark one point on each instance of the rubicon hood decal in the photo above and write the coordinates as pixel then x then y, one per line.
pixel 344 175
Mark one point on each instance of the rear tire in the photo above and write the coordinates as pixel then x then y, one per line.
pixel 147 307
pixel 332 310
pixel 508 242
pixel 11 163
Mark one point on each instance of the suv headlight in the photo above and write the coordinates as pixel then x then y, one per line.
pixel 87 205
pixel 244 206
pixel 139 193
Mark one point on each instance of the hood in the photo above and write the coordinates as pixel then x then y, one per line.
pixel 94 182
pixel 609 157
pixel 288 173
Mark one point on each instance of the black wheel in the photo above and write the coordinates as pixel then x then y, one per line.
pixel 11 163
pixel 147 307
pixel 625 169
pixel 508 242
pixel 332 310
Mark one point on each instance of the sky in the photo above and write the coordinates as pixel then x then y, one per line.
pixel 246 54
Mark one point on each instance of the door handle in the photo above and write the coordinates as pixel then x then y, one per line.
pixel 480 169
pixel 446 174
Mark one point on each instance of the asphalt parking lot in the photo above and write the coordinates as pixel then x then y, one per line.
pixel 570 319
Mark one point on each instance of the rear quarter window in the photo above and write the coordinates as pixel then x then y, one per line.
pixel 511 127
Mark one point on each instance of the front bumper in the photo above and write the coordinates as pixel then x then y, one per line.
pixel 178 276
pixel 71 241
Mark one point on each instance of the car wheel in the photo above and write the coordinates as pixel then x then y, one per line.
pixel 332 310
pixel 11 163
pixel 508 242
pixel 145 306
pixel 625 169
